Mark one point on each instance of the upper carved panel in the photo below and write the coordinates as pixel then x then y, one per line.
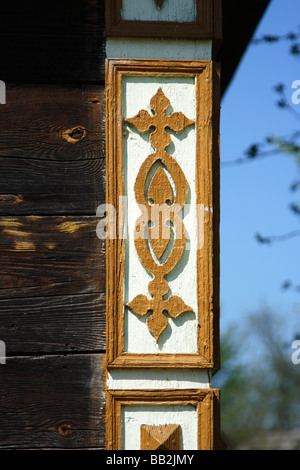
pixel 164 19
pixel 160 228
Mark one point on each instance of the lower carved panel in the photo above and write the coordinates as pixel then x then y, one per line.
pixel 143 419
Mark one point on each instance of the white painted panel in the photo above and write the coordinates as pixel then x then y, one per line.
pixel 181 334
pixel 134 416
pixel 171 10
pixel 158 379
pixel 179 49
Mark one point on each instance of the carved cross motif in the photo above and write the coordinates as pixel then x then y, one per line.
pixel 177 122
pixel 161 199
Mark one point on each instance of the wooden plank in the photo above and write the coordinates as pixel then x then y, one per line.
pixel 60 123
pixel 47 187
pixel 50 256
pixel 52 40
pixel 43 169
pixel 52 402
pixel 53 324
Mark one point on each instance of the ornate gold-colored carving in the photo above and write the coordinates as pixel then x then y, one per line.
pixel 162 437
pixel 160 204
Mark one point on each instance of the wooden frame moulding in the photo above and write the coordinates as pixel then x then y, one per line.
pixel 207 189
pixel 207 26
pixel 206 402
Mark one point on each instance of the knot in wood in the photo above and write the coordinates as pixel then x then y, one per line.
pixel 65 429
pixel 75 134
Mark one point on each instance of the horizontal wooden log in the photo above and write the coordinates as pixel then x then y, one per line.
pixel 59 123
pixel 53 324
pixel 53 142
pixel 46 187
pixel 50 256
pixel 57 40
pixel 52 402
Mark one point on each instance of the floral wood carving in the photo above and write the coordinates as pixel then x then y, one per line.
pixel 160 204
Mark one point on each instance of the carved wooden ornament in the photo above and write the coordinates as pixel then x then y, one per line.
pixel 162 437
pixel 168 205
pixel 159 240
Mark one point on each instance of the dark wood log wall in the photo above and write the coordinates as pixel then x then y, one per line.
pixel 52 265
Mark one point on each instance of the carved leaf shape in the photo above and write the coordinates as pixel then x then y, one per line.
pixel 140 305
pixel 176 306
pixel 159 102
pixel 178 122
pixel 142 121
pixel 157 324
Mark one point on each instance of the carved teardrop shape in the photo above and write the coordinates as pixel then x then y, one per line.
pixel 160 190
pixel 161 195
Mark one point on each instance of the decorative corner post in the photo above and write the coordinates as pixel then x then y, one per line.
pixel 162 162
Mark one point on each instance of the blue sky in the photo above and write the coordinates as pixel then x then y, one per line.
pixel 255 196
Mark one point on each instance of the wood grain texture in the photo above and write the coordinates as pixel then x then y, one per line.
pixel 52 178
pixel 51 187
pixel 50 256
pixel 52 148
pixel 53 324
pixel 61 123
pixel 52 40
pixel 52 402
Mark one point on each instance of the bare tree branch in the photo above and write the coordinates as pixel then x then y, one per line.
pixel 276 238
